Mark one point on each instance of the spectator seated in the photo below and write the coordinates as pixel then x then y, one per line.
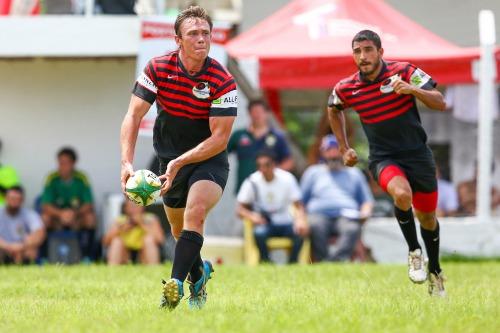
pixel 251 251
pixel 135 235
pixel 21 230
pixel 67 204
pixel 264 200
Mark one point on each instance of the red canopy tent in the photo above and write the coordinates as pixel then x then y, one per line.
pixel 307 44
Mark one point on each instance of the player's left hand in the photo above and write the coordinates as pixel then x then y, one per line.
pixel 169 175
pixel 402 87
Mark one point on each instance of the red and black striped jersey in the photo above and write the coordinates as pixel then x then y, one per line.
pixel 185 102
pixel 391 121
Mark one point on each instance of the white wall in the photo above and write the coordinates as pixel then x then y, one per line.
pixel 458 236
pixel 45 104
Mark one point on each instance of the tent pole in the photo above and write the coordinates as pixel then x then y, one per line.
pixel 485 123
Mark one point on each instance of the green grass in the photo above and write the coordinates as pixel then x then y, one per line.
pixel 320 298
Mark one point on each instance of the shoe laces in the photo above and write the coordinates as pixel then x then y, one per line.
pixel 416 261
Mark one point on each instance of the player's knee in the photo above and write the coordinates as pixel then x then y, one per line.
pixel 402 197
pixel 427 220
pixel 195 215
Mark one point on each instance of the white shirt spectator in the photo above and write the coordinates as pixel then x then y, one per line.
pixel 464 100
pixel 274 197
pixel 14 229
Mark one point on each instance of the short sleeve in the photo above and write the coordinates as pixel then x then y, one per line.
pixel 84 188
pixel 225 100
pixel 335 99
pixel 48 193
pixel 233 139
pixel 282 150
pixel 246 193
pixel 420 79
pixel 145 86
pixel 34 221
pixel 87 195
pixel 295 193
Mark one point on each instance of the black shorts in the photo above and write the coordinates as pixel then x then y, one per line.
pixel 215 169
pixel 418 166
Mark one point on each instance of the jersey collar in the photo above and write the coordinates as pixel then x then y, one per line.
pixel 379 76
pixel 184 70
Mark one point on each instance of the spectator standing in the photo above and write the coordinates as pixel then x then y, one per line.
pixel 265 198
pixel 21 229
pixel 67 202
pixel 134 233
pixel 8 178
pixel 337 201
pixel 259 135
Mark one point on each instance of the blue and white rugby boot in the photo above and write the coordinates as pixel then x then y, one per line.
pixel 198 292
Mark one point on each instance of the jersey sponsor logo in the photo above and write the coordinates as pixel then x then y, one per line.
pixel 271 140
pixel 146 82
pixel 228 100
pixel 386 86
pixel 201 90
pixel 419 78
pixel 245 141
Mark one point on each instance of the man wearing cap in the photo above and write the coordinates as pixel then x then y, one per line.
pixel 337 201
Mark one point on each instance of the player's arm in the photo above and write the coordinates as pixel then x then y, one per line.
pixel 137 109
pixel 213 145
pixel 433 98
pixel 220 128
pixel 221 118
pixel 422 86
pixel 337 123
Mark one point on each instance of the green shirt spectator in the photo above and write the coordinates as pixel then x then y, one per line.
pixel 258 136
pixel 67 202
pixel 8 179
pixel 67 193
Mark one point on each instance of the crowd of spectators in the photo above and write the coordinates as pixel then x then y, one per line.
pixel 328 204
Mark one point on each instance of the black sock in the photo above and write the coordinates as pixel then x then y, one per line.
pixel 196 271
pixel 187 250
pixel 431 241
pixel 407 224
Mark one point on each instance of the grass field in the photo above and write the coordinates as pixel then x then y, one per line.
pixel 320 298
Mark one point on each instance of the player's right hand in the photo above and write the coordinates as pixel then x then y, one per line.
pixel 127 171
pixel 350 157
